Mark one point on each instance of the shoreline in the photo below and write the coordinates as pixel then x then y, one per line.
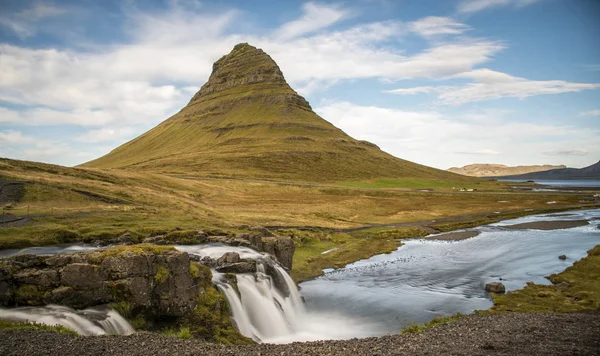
pixel 511 333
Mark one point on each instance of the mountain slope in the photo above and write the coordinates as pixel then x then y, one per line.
pixel 496 170
pixel 247 122
pixel 589 172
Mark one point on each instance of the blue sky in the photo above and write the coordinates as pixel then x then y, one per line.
pixel 442 83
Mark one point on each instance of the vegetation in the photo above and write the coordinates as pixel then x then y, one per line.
pixel 161 274
pixel 430 324
pixel 575 289
pixel 136 249
pixel 318 250
pixel 9 325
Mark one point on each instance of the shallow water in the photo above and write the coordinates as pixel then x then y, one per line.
pixel 424 278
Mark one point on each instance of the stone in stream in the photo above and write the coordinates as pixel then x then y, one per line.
pixel 495 287
pixel 562 257
pixel 229 257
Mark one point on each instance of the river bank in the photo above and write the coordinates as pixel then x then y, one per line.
pixel 506 334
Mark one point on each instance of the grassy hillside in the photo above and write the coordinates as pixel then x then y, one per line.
pixel 246 122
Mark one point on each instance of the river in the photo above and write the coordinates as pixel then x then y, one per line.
pixel 381 295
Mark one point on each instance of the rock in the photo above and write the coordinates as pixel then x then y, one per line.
pixel 208 262
pixel 241 267
pixel 495 287
pixel 562 286
pixel 562 257
pixel 282 248
pixel 156 283
pixel 530 283
pixel 157 240
pixel 229 257
pixel 81 276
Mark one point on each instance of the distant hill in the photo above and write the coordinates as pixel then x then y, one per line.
pixel 247 122
pixel 590 172
pixel 496 170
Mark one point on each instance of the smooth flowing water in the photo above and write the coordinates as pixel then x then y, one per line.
pixel 427 278
pixel 101 320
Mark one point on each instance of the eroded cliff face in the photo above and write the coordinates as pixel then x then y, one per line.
pixel 152 280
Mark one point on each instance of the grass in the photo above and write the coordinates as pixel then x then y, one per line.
pixel 9 325
pixel 309 260
pixel 431 324
pixel 582 294
pixel 412 183
pixel 136 249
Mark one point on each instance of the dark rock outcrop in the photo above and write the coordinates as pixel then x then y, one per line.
pixel 153 282
pixel 495 287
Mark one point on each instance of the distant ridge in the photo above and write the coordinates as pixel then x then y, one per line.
pixel 247 122
pixel 589 172
pixel 497 170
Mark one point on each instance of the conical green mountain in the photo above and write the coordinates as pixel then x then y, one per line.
pixel 247 122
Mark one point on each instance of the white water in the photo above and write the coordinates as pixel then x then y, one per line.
pixel 92 321
pixel 264 312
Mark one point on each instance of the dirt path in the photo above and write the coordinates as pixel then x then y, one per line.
pixel 507 334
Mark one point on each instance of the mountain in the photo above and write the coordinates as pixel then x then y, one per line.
pixel 496 170
pixel 590 172
pixel 247 122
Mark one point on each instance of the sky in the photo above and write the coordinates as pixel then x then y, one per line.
pixel 439 82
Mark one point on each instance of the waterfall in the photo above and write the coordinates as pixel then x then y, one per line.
pixel 259 309
pixel 92 321
pixel 266 305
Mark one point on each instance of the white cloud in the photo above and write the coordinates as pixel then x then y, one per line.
pixel 17 138
pixel 482 152
pixel 435 25
pixel 108 135
pixel 593 113
pixel 316 16
pixel 495 85
pixel 24 23
pixel 472 6
pixel 573 152
pixel 443 140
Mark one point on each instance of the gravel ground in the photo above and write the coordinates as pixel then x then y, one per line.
pixel 507 334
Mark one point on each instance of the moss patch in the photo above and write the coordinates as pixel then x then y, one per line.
pixel 9 325
pixel 162 274
pixel 136 249
pixel 433 323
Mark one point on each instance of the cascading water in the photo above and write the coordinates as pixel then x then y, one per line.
pixel 92 321
pixel 266 305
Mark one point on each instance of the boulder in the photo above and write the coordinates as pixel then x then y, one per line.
pixel 562 257
pixel 241 267
pixel 229 257
pixel 495 287
pixel 562 286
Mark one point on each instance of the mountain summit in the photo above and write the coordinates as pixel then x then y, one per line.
pixel 247 122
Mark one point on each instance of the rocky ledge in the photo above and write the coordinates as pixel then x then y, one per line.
pixel 262 240
pixel 155 280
